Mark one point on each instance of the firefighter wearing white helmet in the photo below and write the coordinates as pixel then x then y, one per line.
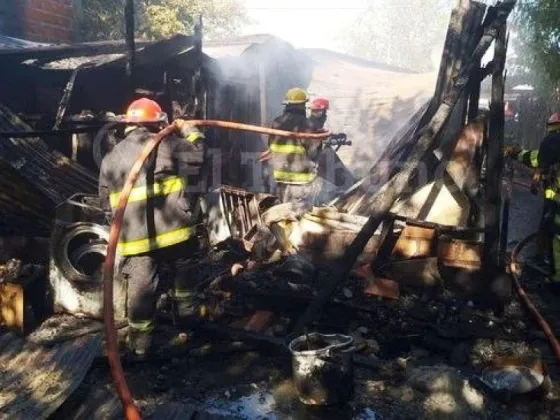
pixel 546 162
pixel 294 160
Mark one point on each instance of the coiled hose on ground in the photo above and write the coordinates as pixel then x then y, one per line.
pixel 131 411
pixel 515 269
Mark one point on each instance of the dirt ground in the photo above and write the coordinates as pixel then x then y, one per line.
pixel 428 357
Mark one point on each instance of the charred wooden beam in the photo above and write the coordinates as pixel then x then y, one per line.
pixel 463 35
pixel 494 157
pixel 199 77
pixel 385 199
pixel 451 49
pixel 450 61
pixel 476 78
pixel 45 133
pixel 130 45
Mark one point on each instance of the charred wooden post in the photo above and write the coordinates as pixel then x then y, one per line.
pixel 199 82
pixel 65 100
pixel 474 96
pixel 473 30
pixel 494 157
pixel 385 199
pixel 130 45
pixel 462 37
pixel 451 49
pixel 450 62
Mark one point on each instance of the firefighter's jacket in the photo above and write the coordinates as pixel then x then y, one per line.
pixel 162 208
pixel 547 159
pixel 292 158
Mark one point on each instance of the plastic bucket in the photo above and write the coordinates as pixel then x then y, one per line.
pixel 323 369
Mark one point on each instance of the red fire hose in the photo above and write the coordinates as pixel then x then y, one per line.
pixel 516 272
pixel 131 411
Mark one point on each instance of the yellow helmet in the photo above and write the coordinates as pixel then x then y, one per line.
pixel 295 96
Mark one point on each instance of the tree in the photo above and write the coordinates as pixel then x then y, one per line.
pixel 403 33
pixel 538 43
pixel 158 19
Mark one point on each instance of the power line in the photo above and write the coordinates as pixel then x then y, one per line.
pixel 318 9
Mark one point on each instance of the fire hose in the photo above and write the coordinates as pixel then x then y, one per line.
pixel 515 270
pixel 131 411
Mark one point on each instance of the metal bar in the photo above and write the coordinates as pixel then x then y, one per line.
pixel 42 133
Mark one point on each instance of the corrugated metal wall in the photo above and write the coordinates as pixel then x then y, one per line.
pixel 34 178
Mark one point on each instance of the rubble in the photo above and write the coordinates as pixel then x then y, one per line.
pixel 410 294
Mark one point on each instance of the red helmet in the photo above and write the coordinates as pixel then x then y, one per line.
pixel 145 110
pixel 319 104
pixel 554 119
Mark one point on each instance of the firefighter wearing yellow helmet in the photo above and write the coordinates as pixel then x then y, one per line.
pixel 294 160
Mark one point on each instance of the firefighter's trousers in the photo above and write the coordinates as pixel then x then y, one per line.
pixel 303 196
pixel 143 273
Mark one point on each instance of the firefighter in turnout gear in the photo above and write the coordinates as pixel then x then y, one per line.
pixel 546 162
pixel 162 222
pixel 318 113
pixel 329 165
pixel 294 160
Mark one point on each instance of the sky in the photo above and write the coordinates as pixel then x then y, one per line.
pixel 310 23
pixel 304 23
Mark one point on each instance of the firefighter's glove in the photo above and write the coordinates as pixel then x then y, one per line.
pixel 536 182
pixel 189 131
pixel 511 151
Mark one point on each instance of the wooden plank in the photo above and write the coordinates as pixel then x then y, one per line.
pixel 377 286
pixel 259 321
pixel 11 307
pixel 414 242
pixel 97 404
pixel 382 287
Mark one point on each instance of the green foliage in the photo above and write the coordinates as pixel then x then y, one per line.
pixel 158 19
pixel 404 33
pixel 538 43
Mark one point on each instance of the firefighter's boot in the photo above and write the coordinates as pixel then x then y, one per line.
pixel 139 343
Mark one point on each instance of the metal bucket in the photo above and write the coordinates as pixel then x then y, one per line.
pixel 323 368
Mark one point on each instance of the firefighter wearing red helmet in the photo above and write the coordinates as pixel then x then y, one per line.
pixel 329 165
pixel 318 113
pixel 546 162
pixel 162 222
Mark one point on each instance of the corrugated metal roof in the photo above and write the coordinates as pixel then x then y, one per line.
pixel 35 380
pixel 235 47
pixel 9 43
pixel 38 178
pixel 146 54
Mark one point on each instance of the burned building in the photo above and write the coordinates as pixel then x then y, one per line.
pixel 256 73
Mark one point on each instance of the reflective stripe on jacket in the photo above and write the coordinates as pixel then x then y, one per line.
pixel 529 158
pixel 547 159
pixel 160 212
pixel 291 156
